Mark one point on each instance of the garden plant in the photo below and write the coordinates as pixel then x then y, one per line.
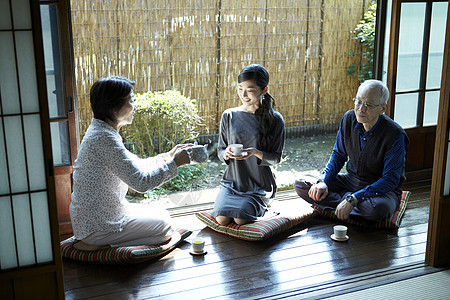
pixel 164 119
pixel 365 34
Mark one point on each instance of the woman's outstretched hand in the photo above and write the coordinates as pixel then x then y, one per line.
pixel 180 154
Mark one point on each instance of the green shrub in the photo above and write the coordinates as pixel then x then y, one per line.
pixel 365 34
pixel 163 119
pixel 188 178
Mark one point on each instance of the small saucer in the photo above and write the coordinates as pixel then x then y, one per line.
pixel 242 155
pixel 339 239
pixel 198 253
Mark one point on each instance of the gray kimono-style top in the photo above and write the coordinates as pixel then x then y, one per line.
pixel 250 176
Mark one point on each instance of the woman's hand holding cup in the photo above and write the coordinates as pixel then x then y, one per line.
pixel 232 151
pixel 227 154
pixel 248 152
pixel 237 152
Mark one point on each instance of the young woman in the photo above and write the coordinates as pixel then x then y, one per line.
pixel 248 181
pixel 104 169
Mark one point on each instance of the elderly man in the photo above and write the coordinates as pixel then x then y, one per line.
pixel 375 146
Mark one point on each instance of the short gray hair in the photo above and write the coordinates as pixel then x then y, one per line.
pixel 376 85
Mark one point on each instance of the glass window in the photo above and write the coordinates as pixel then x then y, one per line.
pixel 437 39
pixel 55 92
pixel 431 108
pixel 60 143
pixel 55 88
pixel 386 41
pixel 405 111
pixel 412 20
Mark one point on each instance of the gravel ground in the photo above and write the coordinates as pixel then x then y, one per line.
pixel 305 154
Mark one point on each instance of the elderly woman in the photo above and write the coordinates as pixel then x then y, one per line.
pixel 104 169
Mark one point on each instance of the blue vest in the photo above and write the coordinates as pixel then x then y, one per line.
pixel 367 164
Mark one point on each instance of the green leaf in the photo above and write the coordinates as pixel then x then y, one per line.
pixel 365 34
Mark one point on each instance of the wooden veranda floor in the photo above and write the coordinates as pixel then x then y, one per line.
pixel 235 269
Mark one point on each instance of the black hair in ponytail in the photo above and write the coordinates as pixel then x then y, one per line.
pixel 265 113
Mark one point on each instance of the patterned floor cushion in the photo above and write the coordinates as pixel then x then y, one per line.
pixel 391 223
pixel 123 255
pixel 282 216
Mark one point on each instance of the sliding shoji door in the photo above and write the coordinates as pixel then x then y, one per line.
pixel 30 261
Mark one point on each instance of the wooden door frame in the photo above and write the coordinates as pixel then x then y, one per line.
pixel 438 240
pixel 63 174
pixel 419 159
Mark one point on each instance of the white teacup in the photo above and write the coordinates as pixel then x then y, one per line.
pixel 198 245
pixel 236 149
pixel 340 231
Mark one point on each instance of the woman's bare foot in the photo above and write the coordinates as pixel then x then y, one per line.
pixel 241 221
pixel 223 220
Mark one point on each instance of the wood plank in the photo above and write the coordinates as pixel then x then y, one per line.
pixel 242 279
pixel 240 261
pixel 228 247
pixel 234 268
pixel 317 281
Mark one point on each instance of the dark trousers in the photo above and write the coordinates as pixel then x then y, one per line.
pixel 372 209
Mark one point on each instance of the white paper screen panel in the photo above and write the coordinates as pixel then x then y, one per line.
pixel 5 16
pixel 25 235
pixel 9 87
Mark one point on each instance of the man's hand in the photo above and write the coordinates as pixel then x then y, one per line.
pixel 343 210
pixel 318 191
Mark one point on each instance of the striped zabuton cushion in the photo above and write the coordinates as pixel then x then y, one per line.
pixel 390 223
pixel 259 230
pixel 123 255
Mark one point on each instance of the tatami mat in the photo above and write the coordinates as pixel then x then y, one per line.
pixel 434 286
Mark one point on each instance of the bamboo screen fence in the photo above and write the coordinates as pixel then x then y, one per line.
pixel 199 47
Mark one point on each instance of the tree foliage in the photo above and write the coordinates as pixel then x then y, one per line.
pixel 365 34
